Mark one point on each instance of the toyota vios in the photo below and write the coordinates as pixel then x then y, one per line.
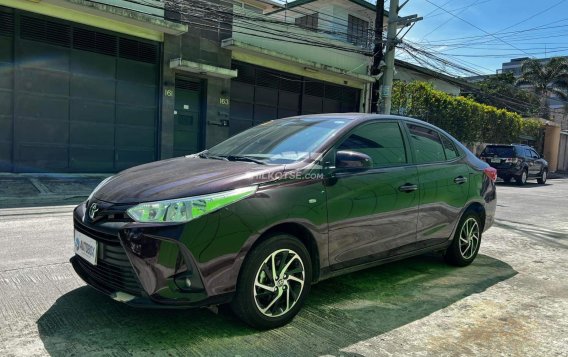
pixel 259 218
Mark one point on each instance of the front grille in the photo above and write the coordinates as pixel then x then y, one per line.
pixel 113 270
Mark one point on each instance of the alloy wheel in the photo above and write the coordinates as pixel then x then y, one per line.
pixel 544 176
pixel 279 283
pixel 524 177
pixel 469 238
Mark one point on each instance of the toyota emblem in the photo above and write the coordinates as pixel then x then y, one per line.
pixel 93 210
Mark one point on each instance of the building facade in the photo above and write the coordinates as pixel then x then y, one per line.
pixel 101 86
pixel 80 84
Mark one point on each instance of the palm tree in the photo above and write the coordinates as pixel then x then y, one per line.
pixel 548 80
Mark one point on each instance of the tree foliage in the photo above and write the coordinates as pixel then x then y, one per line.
pixel 464 118
pixel 500 91
pixel 547 79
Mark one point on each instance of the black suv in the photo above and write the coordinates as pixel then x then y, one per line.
pixel 520 162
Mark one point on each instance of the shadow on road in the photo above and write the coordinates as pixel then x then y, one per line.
pixel 552 237
pixel 339 313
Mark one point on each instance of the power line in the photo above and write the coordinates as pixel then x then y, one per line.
pixel 448 20
pixel 477 27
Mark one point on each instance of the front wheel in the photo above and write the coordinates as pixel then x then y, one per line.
pixel 273 283
pixel 542 179
pixel 465 245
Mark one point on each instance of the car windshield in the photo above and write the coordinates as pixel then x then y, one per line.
pixel 499 151
pixel 278 141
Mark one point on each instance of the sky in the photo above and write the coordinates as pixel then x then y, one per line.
pixel 482 34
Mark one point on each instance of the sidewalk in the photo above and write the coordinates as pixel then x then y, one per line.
pixel 25 190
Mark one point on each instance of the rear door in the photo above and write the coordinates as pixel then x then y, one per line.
pixel 536 162
pixel 369 216
pixel 444 183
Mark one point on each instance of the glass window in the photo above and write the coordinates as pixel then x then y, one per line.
pixel 427 144
pixel 449 148
pixel 381 141
pixel 357 31
pixel 534 154
pixel 520 151
pixel 280 141
pixel 309 21
pixel 501 151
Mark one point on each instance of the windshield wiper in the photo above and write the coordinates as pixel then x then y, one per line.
pixel 205 155
pixel 244 158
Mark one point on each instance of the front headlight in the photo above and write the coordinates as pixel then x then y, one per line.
pixel 99 187
pixel 186 209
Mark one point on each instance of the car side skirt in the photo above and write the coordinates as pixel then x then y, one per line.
pixel 329 272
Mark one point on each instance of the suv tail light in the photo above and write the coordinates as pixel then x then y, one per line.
pixel 491 173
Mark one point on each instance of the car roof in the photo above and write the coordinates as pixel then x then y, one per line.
pixel 359 117
pixel 524 145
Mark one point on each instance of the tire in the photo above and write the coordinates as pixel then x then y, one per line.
pixel 263 301
pixel 542 179
pixel 465 246
pixel 522 179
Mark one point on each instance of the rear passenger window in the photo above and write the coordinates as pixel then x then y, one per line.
pixel 449 148
pixel 426 144
pixel 381 141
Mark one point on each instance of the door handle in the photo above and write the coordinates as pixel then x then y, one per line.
pixel 408 187
pixel 460 180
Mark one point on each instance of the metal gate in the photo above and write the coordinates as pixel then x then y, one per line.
pixel 259 94
pixel 188 117
pixel 78 99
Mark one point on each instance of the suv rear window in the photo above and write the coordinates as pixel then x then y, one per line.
pixel 499 151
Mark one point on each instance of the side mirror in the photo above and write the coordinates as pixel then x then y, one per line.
pixel 352 160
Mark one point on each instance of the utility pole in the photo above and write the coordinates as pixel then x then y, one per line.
pixel 391 44
pixel 378 54
pixel 394 23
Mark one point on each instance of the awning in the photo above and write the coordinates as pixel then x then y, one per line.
pixel 134 21
pixel 200 68
pixel 260 56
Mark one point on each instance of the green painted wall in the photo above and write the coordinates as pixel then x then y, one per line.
pixel 345 60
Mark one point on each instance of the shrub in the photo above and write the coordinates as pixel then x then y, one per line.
pixel 465 119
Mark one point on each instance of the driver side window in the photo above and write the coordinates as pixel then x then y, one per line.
pixel 383 142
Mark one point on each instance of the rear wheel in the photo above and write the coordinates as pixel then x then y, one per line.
pixel 542 179
pixel 522 178
pixel 273 283
pixel 465 245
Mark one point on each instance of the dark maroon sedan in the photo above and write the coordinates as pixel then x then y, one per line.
pixel 259 218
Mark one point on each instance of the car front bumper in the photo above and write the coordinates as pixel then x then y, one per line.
pixel 141 265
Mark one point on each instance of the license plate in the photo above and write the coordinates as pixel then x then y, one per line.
pixel 85 247
pixel 496 160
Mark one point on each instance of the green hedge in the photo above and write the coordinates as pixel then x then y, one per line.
pixel 465 119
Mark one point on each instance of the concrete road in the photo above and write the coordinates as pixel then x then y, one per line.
pixel 513 301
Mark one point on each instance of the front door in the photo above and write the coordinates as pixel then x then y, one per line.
pixel 444 184
pixel 372 214
pixel 187 117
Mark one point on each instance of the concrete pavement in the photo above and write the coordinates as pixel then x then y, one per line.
pixel 513 301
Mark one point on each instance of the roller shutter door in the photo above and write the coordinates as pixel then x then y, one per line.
pixel 259 94
pixel 84 100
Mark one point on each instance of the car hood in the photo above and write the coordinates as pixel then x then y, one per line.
pixel 182 177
